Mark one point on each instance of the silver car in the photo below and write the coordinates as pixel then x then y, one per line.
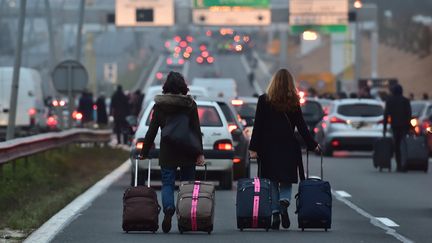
pixel 352 124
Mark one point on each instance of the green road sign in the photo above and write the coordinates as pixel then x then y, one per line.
pixel 231 3
pixel 297 29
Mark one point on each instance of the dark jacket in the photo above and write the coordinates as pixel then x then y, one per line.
pixel 102 117
pixel 119 106
pixel 85 106
pixel 273 139
pixel 398 108
pixel 166 105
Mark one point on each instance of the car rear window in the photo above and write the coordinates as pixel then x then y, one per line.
pixel 417 109
pixel 208 116
pixel 247 110
pixel 361 110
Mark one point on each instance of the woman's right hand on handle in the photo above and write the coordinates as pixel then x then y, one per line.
pixel 253 154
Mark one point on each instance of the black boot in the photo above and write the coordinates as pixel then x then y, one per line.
pixel 284 214
pixel 276 221
pixel 166 223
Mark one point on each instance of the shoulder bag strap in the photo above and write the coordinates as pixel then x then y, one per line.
pixel 300 163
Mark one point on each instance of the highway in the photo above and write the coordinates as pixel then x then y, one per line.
pixel 369 206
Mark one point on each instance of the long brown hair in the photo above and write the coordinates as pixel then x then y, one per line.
pixel 281 92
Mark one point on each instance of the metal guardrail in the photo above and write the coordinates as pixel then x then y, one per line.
pixel 26 146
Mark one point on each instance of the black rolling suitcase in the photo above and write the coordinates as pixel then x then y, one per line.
pixel 383 153
pixel 314 201
pixel 253 206
pixel 140 206
pixel 414 153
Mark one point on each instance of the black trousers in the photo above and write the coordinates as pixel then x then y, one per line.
pixel 398 134
pixel 120 126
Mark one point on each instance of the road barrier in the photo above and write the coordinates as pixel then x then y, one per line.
pixel 27 146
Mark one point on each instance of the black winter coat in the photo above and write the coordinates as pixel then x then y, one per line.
pixel 166 105
pixel 119 106
pixel 398 108
pixel 273 139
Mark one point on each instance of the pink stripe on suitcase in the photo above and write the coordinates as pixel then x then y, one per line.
pixel 195 195
pixel 256 203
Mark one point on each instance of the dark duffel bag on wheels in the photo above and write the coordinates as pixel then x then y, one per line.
pixel 195 206
pixel 314 201
pixel 414 153
pixel 253 206
pixel 140 206
pixel 383 153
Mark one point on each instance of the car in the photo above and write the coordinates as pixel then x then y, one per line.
pixel 217 143
pixel 218 87
pixel 241 163
pixel 313 113
pixel 421 111
pixel 352 124
pixel 246 108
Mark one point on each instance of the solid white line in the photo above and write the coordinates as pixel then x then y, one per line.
pixel 373 220
pixel 388 222
pixel 261 64
pixel 343 193
pixel 55 224
pixel 246 66
pixel 153 73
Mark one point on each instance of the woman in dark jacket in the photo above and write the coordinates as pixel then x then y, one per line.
pixel 173 101
pixel 274 144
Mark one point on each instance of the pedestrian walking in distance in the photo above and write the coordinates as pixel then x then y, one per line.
pixel 273 142
pixel 398 111
pixel 173 102
pixel 102 116
pixel 119 109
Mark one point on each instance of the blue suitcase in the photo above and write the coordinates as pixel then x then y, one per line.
pixel 314 202
pixel 253 206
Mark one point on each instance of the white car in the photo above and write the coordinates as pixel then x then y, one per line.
pixel 218 87
pixel 217 143
pixel 352 124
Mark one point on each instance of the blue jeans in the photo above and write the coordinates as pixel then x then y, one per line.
pixel 187 173
pixel 280 192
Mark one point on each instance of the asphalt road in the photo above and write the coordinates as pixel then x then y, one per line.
pixel 400 198
pixel 403 198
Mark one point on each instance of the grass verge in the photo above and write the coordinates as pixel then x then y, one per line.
pixel 35 190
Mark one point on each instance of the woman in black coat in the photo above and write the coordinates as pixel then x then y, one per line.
pixel 274 144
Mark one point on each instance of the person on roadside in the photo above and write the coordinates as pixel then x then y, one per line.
pixel 119 109
pixel 135 101
pixel 174 100
pixel 274 145
pixel 85 107
pixel 101 112
pixel 398 113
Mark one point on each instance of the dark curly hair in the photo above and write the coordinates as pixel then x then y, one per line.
pixel 175 84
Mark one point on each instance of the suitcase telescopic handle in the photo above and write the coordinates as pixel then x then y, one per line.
pixel 307 164
pixel 136 172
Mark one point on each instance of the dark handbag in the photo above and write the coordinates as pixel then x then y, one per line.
pixel 178 133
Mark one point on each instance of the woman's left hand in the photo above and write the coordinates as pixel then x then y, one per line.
pixel 318 149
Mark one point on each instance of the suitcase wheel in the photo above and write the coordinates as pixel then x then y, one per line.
pixel 326 229
pixel 209 232
pixel 302 229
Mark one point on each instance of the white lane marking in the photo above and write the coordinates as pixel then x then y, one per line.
pixel 153 74
pixel 373 220
pixel 58 222
pixel 343 194
pixel 388 222
pixel 261 64
pixel 246 66
pixel 185 70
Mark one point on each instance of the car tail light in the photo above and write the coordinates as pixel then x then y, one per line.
pixel 236 160
pixel 302 101
pixel 169 61
pixel 414 122
pixel 62 103
pixel 177 39
pixel 425 125
pixel 203 47
pixel 181 61
pixel 429 129
pixel 210 59
pixel 337 120
pixel 237 102
pixel 177 49
pixel 232 127
pixel 78 116
pixel 335 143
pixel 167 44
pixel 139 144
pixel 55 103
pixel 316 130
pixel 159 75
pixel 324 125
pixel 183 44
pixel 52 121
pixel 200 60
pixel 189 38
pixel 205 54
pixel 189 49
pixel 32 111
pixel 223 145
